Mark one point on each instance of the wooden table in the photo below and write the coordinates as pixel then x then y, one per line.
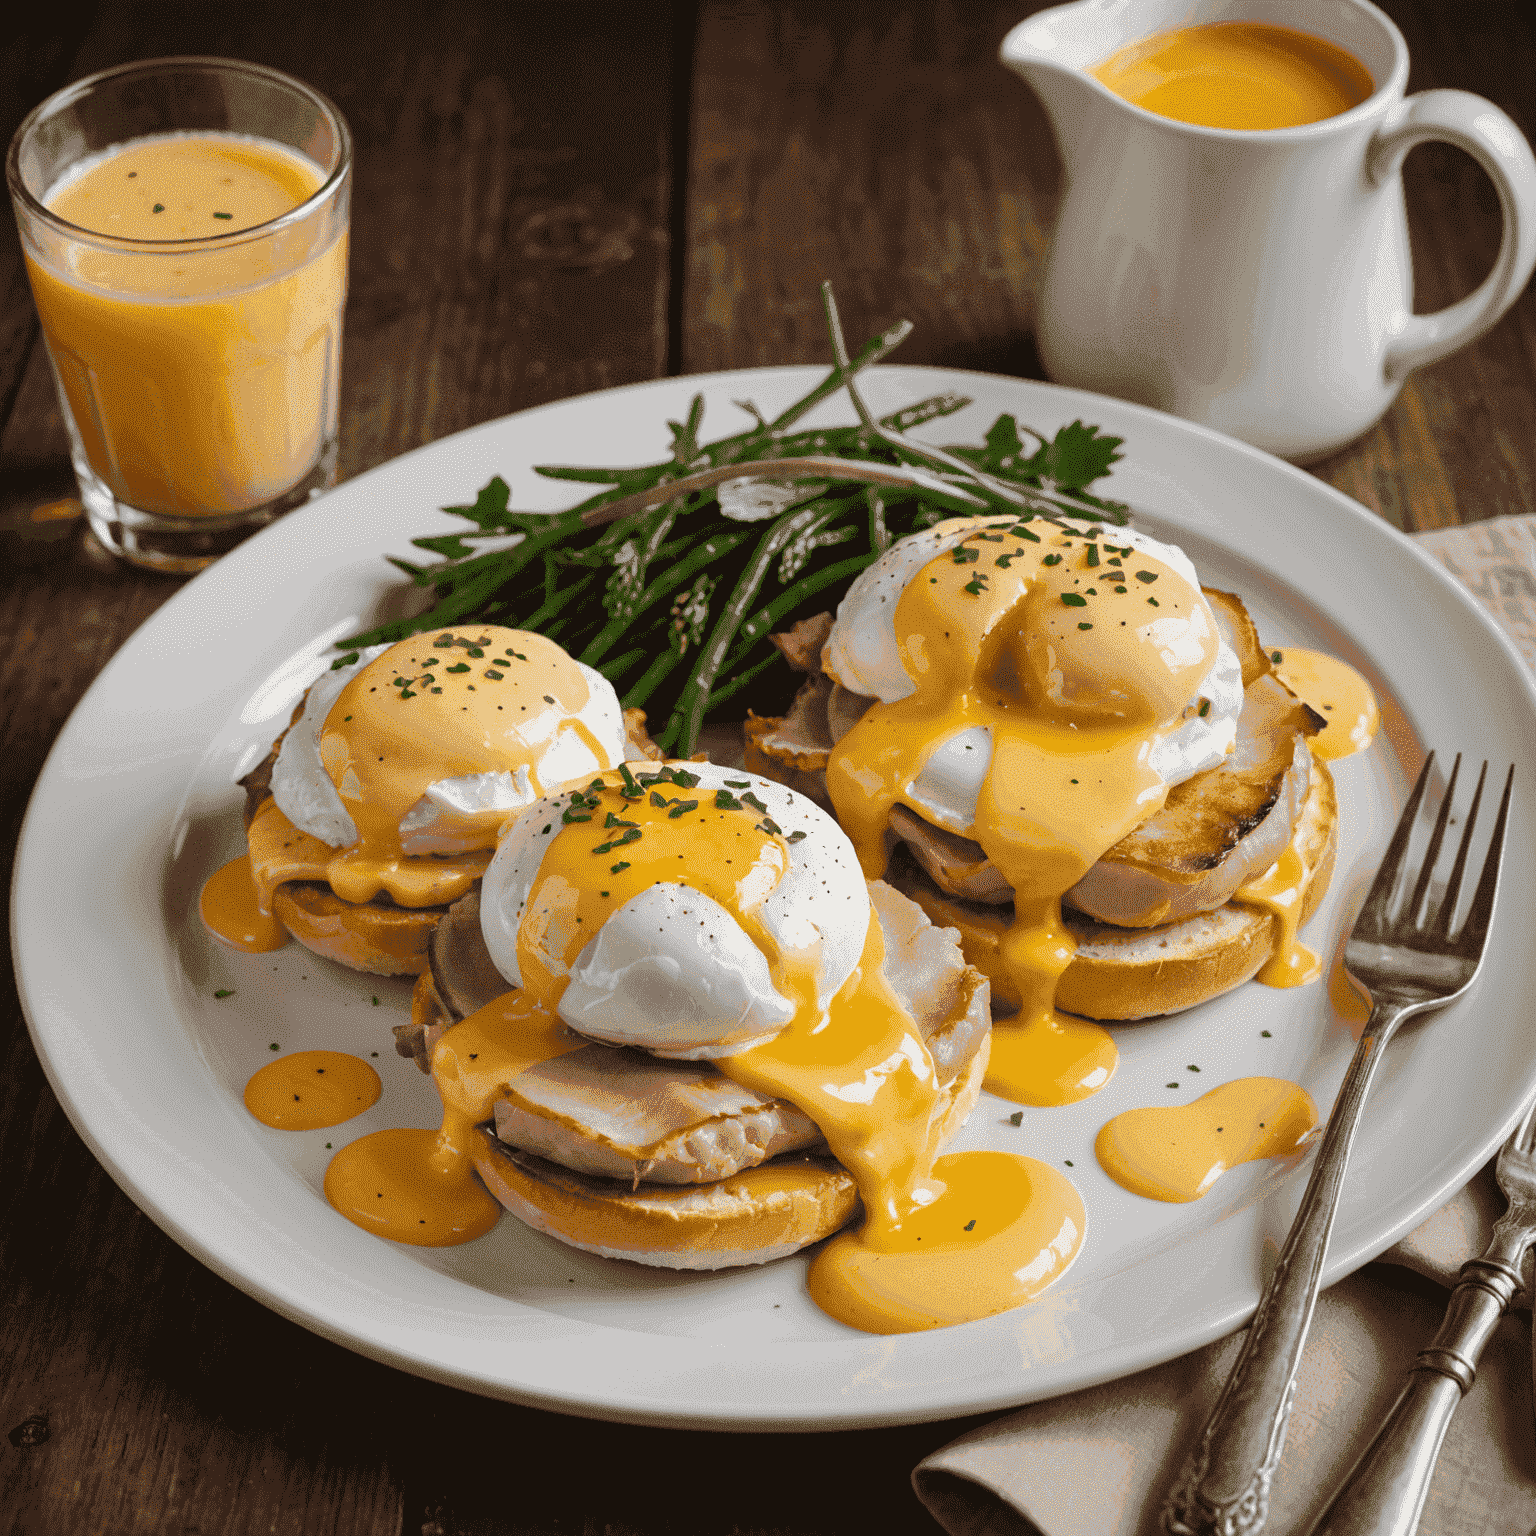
pixel 553 198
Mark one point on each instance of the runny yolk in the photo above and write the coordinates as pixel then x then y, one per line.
pixel 312 1089
pixel 1076 666
pixel 231 910
pixel 1178 1153
pixel 1337 692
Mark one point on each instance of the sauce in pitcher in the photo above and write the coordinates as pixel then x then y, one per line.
pixel 1238 74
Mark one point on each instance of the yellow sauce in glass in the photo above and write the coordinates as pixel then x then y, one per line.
pixel 1238 74
pixel 201 379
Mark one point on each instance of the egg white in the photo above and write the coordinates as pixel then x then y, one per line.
pixel 672 971
pixel 442 820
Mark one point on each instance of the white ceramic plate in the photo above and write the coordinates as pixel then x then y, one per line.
pixel 138 803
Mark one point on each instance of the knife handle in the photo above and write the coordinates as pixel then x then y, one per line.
pixel 1384 1493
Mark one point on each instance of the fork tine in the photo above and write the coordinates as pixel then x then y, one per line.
pixel 1373 913
pixel 1439 926
pixel 1480 913
pixel 1432 855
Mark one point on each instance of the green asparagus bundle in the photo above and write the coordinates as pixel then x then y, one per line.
pixel 671 578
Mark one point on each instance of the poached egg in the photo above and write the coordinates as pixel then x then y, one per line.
pixel 705 913
pixel 1038 689
pixel 409 758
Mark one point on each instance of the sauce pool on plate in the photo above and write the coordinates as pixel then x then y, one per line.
pixel 413 1186
pixel 1177 1153
pixel 312 1089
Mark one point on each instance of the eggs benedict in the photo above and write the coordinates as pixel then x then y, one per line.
pixel 1065 748
pixel 721 1044
pixel 381 803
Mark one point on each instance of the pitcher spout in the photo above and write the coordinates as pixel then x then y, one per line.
pixel 1054 50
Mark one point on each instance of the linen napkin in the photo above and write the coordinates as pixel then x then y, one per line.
pixel 1099 1462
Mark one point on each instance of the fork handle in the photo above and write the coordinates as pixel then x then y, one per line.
pixel 1223 1489
pixel 1384 1492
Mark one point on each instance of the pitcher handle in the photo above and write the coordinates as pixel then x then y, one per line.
pixel 1492 139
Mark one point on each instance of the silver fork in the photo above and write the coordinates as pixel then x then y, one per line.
pixel 1384 1493
pixel 1408 964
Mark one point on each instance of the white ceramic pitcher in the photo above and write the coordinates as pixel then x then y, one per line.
pixel 1258 282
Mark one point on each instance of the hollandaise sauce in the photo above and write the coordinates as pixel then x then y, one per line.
pixel 1338 693
pixel 1177 1154
pixel 1075 655
pixel 434 708
pixel 312 1089
pixel 413 1186
pixel 1040 1057
pixel 997 1230
pixel 974 1235
pixel 1279 892
pixel 419 1186
pixel 439 707
pixel 231 910
pixel 1238 74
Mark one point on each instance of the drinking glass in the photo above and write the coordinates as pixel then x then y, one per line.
pixel 197 375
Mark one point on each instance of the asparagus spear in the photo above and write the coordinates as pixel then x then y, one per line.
pixel 736 556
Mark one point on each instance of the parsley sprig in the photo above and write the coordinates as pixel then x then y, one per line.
pixel 670 578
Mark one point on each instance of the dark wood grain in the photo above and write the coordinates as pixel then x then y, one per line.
pixel 510 245
pixel 881 147
pixel 520 234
